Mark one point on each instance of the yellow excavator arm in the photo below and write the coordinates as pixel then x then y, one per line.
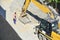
pixel 24 8
pixel 55 36
pixel 42 7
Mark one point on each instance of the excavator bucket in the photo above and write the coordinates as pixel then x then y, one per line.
pixel 24 19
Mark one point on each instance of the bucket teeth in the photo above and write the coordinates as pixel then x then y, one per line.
pixel 24 19
pixel 24 15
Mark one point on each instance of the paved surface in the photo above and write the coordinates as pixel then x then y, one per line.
pixel 26 32
pixel 6 31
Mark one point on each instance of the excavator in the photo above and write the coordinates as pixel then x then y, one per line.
pixel 48 29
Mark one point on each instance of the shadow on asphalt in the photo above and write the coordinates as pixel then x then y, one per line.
pixel 6 31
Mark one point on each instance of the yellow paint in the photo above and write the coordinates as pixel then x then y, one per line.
pixel 40 6
pixel 44 8
pixel 59 25
pixel 26 5
pixel 46 35
pixel 55 36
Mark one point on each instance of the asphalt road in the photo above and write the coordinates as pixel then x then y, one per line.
pixel 6 31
